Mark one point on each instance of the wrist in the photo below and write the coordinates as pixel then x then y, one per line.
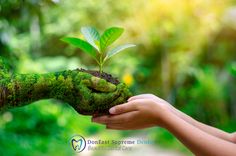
pixel 162 116
pixel 27 88
pixel 165 117
pixel 172 120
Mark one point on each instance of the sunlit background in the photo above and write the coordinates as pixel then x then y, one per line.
pixel 186 54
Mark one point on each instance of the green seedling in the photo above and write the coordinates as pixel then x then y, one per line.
pixel 98 46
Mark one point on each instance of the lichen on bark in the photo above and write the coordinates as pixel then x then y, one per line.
pixel 86 93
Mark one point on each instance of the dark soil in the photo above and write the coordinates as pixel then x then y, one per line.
pixel 103 75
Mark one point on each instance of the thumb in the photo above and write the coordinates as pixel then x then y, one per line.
pixel 123 108
pixel 101 85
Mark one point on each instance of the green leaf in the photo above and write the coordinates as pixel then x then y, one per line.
pixel 83 45
pixel 91 35
pixel 109 36
pixel 118 49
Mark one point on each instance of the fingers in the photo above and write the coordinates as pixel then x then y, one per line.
pixel 123 108
pixel 127 126
pixel 121 127
pixel 115 127
pixel 115 119
pixel 102 101
pixel 106 100
pixel 146 96
pixel 141 96
pixel 100 84
pixel 127 107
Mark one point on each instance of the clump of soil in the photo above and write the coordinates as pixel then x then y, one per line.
pixel 102 75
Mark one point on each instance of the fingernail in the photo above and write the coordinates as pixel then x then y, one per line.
pixel 112 110
pixel 129 99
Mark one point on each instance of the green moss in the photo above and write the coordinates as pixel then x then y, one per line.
pixel 85 93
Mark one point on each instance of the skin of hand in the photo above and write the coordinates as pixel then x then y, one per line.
pixel 198 141
pixel 201 139
pixel 210 130
pixel 137 113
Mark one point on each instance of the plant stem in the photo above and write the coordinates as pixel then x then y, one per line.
pixel 100 69
pixel 100 65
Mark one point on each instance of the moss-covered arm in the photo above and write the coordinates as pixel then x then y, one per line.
pixel 85 93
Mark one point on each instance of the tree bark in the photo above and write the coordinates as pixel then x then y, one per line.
pixel 85 93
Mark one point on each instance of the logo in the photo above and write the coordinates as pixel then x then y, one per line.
pixel 78 143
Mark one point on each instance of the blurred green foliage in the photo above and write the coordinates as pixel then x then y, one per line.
pixel 186 54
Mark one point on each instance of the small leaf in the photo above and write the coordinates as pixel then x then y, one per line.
pixel 91 35
pixel 97 44
pixel 118 49
pixel 109 36
pixel 83 45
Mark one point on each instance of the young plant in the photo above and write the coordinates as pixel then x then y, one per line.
pixel 96 45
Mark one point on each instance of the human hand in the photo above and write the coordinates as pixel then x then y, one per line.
pixel 155 98
pixel 139 112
